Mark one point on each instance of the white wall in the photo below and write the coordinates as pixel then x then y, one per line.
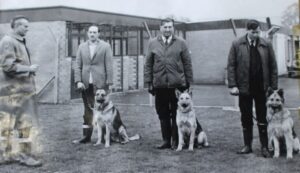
pixel 279 45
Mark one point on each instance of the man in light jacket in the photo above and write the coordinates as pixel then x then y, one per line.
pixel 93 70
pixel 17 96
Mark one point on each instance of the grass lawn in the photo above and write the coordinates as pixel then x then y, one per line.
pixel 60 124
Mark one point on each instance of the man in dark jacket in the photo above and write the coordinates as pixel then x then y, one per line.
pixel 168 66
pixel 252 69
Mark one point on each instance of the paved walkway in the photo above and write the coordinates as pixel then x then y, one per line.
pixel 212 95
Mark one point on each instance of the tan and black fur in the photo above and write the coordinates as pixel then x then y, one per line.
pixel 189 129
pixel 280 125
pixel 108 121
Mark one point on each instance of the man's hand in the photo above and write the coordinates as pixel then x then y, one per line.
pixel 234 91
pixel 151 89
pixel 80 86
pixel 33 68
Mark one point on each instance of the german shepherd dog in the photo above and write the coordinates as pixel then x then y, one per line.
pixel 189 129
pixel 108 121
pixel 280 125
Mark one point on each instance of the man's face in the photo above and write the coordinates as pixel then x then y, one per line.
pixel 254 34
pixel 93 33
pixel 167 29
pixel 21 27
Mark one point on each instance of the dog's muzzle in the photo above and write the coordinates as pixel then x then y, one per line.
pixel 101 100
pixel 275 106
pixel 184 105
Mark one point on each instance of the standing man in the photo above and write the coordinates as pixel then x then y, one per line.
pixel 17 96
pixel 252 69
pixel 94 70
pixel 168 66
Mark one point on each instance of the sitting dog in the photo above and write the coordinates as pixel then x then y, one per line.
pixel 280 125
pixel 189 129
pixel 108 121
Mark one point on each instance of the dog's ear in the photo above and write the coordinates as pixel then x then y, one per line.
pixel 177 93
pixel 281 93
pixel 270 91
pixel 190 92
pixel 108 91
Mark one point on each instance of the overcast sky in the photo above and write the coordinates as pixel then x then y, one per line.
pixel 195 10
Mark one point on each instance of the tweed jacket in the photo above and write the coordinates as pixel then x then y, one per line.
pixel 100 65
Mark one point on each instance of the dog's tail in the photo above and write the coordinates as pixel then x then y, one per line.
pixel 135 137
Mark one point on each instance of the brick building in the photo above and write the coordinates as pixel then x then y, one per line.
pixel 56 32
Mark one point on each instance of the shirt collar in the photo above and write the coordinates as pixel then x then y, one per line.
pixel 165 39
pixel 249 41
pixel 95 43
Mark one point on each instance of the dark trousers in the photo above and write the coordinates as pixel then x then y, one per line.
pixel 246 104
pixel 88 96
pixel 165 103
pixel 166 107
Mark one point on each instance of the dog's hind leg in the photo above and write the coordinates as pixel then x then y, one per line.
pixel 289 145
pixel 202 139
pixel 123 134
pixel 296 145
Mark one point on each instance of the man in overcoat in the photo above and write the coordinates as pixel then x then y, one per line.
pixel 252 68
pixel 18 109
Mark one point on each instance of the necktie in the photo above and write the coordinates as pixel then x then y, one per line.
pixel 252 43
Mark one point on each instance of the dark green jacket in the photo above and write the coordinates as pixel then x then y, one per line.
pixel 239 64
pixel 168 66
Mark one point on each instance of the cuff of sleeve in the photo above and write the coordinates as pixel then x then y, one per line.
pixel 22 68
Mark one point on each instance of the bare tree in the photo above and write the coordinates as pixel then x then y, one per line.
pixel 290 16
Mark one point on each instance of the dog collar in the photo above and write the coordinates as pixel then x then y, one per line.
pixel 108 107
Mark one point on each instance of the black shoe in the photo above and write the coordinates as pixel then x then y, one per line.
pixel 83 140
pixel 87 134
pixel 245 150
pixel 174 145
pixel 265 152
pixel 165 145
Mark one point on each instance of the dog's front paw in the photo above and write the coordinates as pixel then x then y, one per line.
pixel 276 155
pixel 191 148
pixel 107 145
pixel 289 156
pixel 96 144
pixel 179 149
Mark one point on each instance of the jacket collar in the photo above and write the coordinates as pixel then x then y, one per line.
pixel 96 42
pixel 160 39
pixel 260 41
pixel 16 36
